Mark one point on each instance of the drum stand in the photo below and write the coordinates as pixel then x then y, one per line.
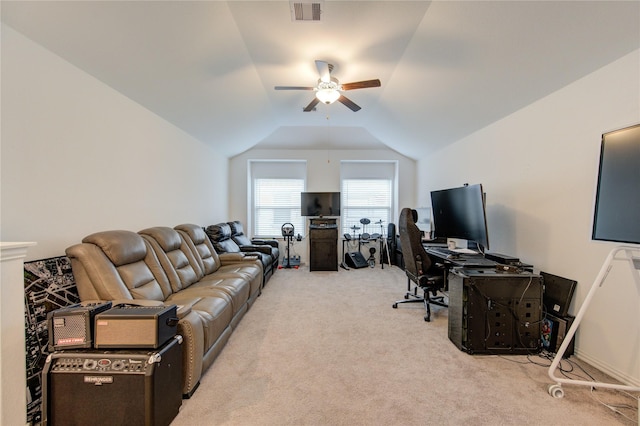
pixel 384 247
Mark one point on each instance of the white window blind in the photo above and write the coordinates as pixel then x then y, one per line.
pixel 277 201
pixel 275 196
pixel 366 198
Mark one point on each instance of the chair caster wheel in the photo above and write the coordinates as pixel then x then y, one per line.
pixel 394 306
pixel 427 318
pixel 556 391
pixel 406 296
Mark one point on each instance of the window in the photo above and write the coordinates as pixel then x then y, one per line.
pixel 366 198
pixel 277 201
pixel 368 191
pixel 275 194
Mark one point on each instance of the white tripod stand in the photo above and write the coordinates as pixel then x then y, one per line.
pixel 624 253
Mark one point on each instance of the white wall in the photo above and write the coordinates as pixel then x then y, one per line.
pixel 79 157
pixel 323 174
pixel 539 169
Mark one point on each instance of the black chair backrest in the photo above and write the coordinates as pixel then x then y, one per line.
pixel 220 236
pixel 238 235
pixel 416 260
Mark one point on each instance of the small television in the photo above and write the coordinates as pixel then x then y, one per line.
pixel 320 203
pixel 460 213
pixel 618 193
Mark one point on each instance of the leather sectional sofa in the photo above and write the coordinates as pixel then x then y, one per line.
pixel 166 266
pixel 229 237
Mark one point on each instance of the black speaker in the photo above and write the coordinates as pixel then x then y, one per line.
pixel 113 388
pixel 71 327
pixel 356 260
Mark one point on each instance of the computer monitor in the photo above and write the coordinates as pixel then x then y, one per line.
pixel 460 213
pixel 618 195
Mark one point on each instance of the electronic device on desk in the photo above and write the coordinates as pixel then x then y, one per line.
pixel 502 258
pixel 508 268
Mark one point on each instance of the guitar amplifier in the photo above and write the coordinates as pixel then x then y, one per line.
pixel 71 327
pixel 118 387
pixel 127 326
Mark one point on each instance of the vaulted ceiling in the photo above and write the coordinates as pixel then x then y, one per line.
pixel 448 68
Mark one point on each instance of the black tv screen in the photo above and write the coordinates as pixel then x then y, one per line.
pixel 616 216
pixel 460 213
pixel 320 203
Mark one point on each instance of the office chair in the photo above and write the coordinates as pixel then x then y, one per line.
pixel 417 265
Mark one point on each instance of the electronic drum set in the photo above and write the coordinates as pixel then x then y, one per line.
pixel 366 238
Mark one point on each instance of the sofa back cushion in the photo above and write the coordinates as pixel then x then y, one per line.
pixel 117 265
pixel 173 254
pixel 220 236
pixel 238 235
pixel 201 246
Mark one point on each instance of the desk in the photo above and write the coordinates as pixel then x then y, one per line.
pixel 442 255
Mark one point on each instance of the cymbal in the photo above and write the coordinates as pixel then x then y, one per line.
pixel 365 221
pixel 380 222
pixel 355 228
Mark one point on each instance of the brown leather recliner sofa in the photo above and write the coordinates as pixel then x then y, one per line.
pixel 163 266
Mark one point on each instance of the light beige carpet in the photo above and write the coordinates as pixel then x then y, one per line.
pixel 327 348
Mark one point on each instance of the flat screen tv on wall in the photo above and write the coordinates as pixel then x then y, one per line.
pixel 617 207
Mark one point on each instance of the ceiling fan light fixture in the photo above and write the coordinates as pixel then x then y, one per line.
pixel 327 96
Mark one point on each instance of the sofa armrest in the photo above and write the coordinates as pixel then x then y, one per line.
pixel 271 243
pixel 260 249
pixel 230 258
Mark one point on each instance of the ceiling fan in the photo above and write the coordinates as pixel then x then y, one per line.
pixel 328 88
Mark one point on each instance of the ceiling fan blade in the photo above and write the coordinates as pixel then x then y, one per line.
pixel 324 70
pixel 349 103
pixel 293 88
pixel 311 105
pixel 361 84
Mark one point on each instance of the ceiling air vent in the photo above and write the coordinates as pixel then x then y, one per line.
pixel 306 10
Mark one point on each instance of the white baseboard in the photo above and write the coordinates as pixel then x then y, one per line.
pixel 607 369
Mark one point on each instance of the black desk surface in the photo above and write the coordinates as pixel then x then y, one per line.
pixel 465 260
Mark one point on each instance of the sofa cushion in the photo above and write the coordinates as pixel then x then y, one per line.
pixel 205 254
pixel 117 264
pixel 238 235
pixel 183 270
pixel 168 246
pixel 121 247
pixel 220 236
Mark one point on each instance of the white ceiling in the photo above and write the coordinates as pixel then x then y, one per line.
pixel 448 68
